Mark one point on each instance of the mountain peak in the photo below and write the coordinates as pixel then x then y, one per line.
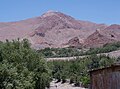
pixel 49 13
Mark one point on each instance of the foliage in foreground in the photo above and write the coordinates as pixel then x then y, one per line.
pixel 21 67
pixel 24 68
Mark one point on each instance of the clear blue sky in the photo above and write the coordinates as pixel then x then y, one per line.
pixel 99 11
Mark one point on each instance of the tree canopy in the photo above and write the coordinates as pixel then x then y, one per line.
pixel 22 67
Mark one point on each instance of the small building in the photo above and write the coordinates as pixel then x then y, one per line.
pixel 105 78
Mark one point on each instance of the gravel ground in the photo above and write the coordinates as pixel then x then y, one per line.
pixel 63 86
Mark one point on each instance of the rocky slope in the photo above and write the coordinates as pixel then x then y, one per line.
pixel 55 29
pixel 100 37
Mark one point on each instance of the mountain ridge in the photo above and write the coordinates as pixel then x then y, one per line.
pixel 55 29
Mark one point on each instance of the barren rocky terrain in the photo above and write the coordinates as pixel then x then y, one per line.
pixel 55 29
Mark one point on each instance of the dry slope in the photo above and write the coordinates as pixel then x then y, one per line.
pixel 55 29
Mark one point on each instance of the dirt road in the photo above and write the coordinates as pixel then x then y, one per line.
pixel 115 54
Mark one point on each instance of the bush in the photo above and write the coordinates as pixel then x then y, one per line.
pixel 22 67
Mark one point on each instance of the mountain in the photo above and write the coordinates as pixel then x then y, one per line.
pixel 55 29
pixel 100 37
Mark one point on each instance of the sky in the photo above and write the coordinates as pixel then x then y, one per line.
pixel 99 11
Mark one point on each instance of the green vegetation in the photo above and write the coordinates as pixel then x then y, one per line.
pixel 77 70
pixel 70 52
pixel 106 48
pixel 59 52
pixel 21 67
pixel 24 68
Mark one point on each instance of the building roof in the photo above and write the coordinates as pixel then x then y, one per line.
pixel 108 67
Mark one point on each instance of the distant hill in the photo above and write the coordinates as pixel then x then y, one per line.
pixel 55 29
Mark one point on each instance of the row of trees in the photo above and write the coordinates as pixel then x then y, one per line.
pixel 106 48
pixel 59 52
pixel 69 52
pixel 21 67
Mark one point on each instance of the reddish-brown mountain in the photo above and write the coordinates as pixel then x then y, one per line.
pixel 100 37
pixel 55 29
